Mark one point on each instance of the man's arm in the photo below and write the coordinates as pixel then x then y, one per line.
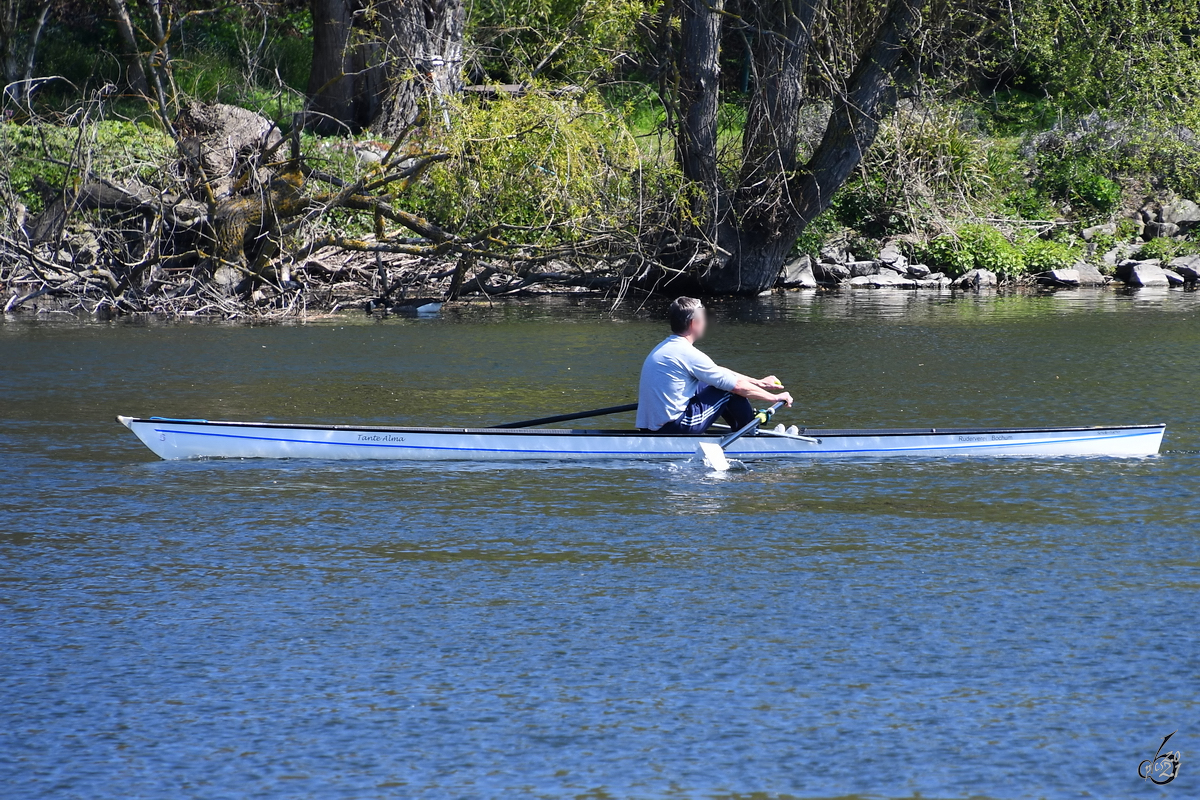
pixel 706 370
pixel 755 390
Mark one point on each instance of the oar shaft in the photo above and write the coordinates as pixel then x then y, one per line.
pixel 761 418
pixel 597 412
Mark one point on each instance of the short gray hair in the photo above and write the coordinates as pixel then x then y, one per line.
pixel 681 313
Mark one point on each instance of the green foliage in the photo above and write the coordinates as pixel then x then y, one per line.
pixel 1012 112
pixel 1163 248
pixel 571 40
pixel 1080 161
pixel 552 166
pixel 1088 54
pixel 1043 255
pixel 926 160
pixel 1070 175
pixel 638 105
pixel 1096 192
pixel 1028 204
pixel 52 156
pixel 817 233
pixel 976 246
pixel 1167 249
pixel 1127 229
pixel 869 205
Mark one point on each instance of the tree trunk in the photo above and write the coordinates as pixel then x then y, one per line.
pixel 776 201
pixel 346 78
pixel 35 35
pixel 424 53
pixel 10 17
pixel 699 92
pixel 769 139
pixel 857 113
pixel 135 74
pixel 158 64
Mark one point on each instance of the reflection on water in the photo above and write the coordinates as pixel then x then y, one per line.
pixel 947 628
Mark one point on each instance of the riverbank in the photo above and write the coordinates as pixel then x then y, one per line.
pixel 348 222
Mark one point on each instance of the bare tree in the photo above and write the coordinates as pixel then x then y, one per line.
pixel 35 35
pixel 15 15
pixel 750 228
pixel 136 73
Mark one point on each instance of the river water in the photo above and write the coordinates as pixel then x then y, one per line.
pixel 942 628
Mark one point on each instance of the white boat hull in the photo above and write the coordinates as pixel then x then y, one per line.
pixel 174 439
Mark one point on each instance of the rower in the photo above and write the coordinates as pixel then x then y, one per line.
pixel 684 391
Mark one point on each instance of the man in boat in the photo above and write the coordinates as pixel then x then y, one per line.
pixel 683 391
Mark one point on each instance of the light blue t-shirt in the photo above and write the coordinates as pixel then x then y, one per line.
pixel 673 373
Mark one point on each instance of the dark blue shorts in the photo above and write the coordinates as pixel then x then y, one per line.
pixel 703 410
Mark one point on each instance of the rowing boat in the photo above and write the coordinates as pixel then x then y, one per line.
pixel 199 438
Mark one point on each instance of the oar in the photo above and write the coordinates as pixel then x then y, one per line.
pixel 714 454
pixel 596 412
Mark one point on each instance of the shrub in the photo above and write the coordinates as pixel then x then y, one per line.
pixel 948 254
pixel 1013 112
pixel 1158 248
pixel 571 40
pixel 1028 204
pixel 871 205
pixel 1078 161
pixel 1043 255
pixel 1127 230
pixel 975 247
pixel 553 166
pixel 1166 249
pixel 926 157
pixel 1073 178
pixel 1096 192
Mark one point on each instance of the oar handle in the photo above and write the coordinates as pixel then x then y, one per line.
pixel 760 418
pixel 765 415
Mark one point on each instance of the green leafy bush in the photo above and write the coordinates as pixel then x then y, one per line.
pixel 569 39
pixel 1012 112
pixel 871 206
pixel 975 247
pixel 1073 177
pixel 1043 255
pixel 554 166
pixel 1166 249
pixel 1158 248
pixel 1028 204
pixel 948 254
pixel 1096 192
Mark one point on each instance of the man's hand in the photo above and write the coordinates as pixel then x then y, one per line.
pixel 770 383
pixel 785 397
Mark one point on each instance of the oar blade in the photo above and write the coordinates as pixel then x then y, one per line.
pixel 713 456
